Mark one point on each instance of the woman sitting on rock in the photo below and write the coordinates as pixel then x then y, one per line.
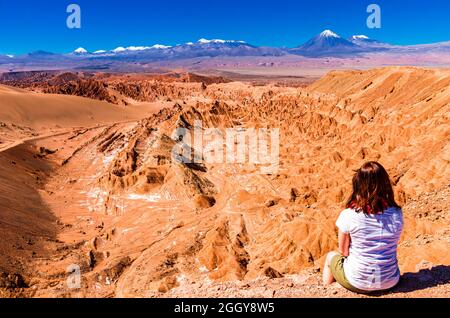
pixel 369 233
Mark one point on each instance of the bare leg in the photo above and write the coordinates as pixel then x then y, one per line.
pixel 327 277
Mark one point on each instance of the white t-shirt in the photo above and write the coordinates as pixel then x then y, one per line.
pixel 372 263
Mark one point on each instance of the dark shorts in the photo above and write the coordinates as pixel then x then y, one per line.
pixel 337 269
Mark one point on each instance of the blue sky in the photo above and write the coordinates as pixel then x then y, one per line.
pixel 29 25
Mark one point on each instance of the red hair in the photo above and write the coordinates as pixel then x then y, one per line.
pixel 372 190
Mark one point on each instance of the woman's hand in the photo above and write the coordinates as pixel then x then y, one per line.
pixel 344 243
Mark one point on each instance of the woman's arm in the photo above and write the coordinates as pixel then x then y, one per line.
pixel 344 243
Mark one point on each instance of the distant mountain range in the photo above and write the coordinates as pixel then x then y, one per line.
pixel 326 44
pixel 201 48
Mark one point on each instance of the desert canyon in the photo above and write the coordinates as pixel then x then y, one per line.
pixel 87 178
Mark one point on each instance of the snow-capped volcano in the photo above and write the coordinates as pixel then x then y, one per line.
pixel 220 41
pixel 359 37
pixel 160 46
pixel 366 42
pixel 326 43
pixel 328 34
pixel 119 49
pixel 220 47
pixel 80 50
pixel 122 49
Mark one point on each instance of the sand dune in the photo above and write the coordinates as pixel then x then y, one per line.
pixel 38 110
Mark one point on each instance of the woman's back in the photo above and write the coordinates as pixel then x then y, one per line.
pixel 372 261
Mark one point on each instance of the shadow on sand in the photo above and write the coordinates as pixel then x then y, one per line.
pixel 423 279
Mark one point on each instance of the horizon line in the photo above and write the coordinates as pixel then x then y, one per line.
pixel 167 46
